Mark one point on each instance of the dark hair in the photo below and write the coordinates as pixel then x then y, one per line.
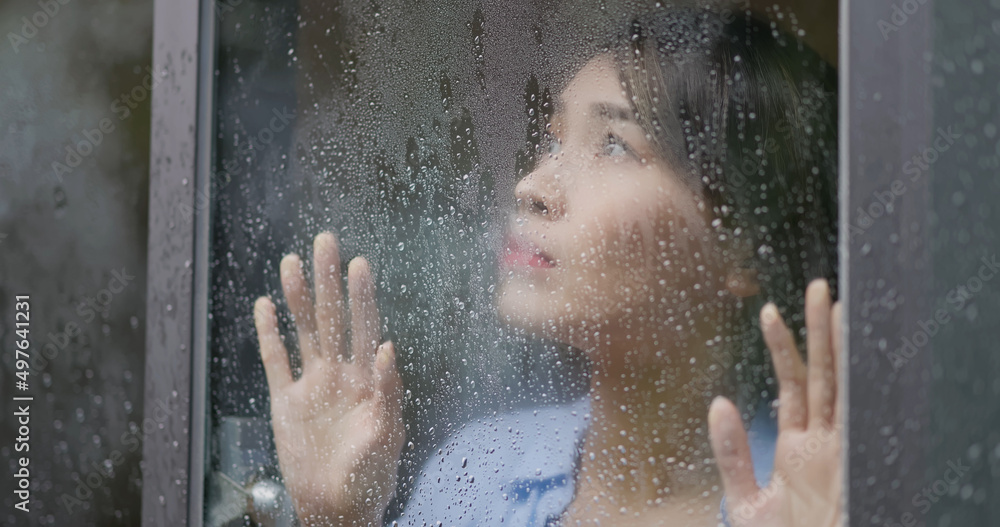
pixel 748 114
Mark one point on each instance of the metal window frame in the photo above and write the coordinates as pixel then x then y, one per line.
pixel 883 133
pixel 177 290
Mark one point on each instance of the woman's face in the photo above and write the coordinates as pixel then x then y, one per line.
pixel 608 242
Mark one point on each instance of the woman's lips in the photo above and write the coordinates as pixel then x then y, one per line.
pixel 522 253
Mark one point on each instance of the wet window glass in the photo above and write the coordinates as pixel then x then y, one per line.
pixel 74 184
pixel 956 160
pixel 523 263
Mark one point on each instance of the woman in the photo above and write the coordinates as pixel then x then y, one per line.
pixel 643 240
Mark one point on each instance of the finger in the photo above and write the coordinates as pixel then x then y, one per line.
pixel 329 296
pixel 732 451
pixel 788 367
pixel 301 305
pixel 837 337
pixel 272 350
pixel 822 385
pixel 365 333
pixel 389 384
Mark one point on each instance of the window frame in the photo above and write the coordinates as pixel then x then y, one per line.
pixel 179 212
pixel 184 42
pixel 886 114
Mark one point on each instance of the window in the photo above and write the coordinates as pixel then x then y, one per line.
pixel 421 137
pixel 407 132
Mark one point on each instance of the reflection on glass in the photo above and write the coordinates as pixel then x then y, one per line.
pixel 473 348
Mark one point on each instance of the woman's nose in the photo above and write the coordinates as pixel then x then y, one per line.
pixel 538 194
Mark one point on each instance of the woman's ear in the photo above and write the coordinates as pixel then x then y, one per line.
pixel 742 282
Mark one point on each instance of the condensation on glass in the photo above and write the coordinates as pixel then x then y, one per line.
pixel 74 165
pixel 551 239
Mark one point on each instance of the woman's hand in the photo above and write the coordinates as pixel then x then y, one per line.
pixel 806 487
pixel 338 427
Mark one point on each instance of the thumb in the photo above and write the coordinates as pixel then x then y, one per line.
pixel 732 451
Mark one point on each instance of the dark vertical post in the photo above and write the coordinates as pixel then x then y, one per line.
pixel 886 117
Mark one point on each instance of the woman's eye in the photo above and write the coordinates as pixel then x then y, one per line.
pixel 615 147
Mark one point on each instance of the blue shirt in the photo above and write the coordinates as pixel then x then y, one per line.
pixel 517 469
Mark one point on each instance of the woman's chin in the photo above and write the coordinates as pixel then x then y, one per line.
pixel 524 315
pixel 518 317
